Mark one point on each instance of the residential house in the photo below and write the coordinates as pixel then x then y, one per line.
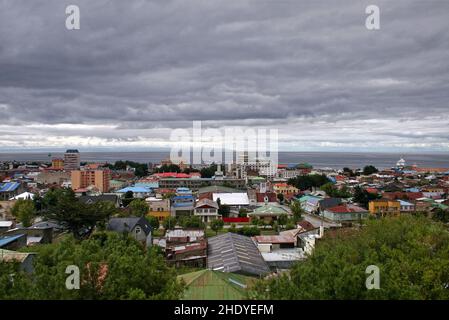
pixel 182 205
pixel 138 227
pixel 159 208
pixel 345 213
pixel 207 210
pixel 268 212
pixel 384 207
pixel 231 252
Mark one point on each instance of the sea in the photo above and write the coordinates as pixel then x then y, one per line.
pixel 336 160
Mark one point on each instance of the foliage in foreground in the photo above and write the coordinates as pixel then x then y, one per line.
pixel 412 254
pixel 112 266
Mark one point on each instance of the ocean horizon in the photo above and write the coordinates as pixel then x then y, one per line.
pixel 317 159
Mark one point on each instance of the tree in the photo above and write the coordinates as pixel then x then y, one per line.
pixel 368 170
pixel 223 210
pixel 243 213
pixel 441 215
pixel 306 182
pixel 138 207
pixel 249 231
pixel 363 197
pixel 216 225
pixel 333 191
pixel 111 267
pixel 127 198
pixel 191 222
pixel 24 211
pixel 167 168
pixel 280 197
pixel 412 254
pixel 169 223
pixel 296 210
pixel 208 172
pixel 282 220
pixel 78 217
pixel 154 222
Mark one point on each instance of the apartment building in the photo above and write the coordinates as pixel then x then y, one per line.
pixel 85 178
pixel 71 160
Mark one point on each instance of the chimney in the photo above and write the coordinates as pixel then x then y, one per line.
pixel 321 231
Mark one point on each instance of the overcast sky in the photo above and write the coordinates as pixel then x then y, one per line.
pixel 139 69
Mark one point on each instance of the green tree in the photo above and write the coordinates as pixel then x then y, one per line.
pixel 282 220
pixel 78 217
pixel 169 223
pixel 280 197
pixel 441 215
pixel 112 267
pixel 333 191
pixel 249 231
pixel 306 182
pixel 216 225
pixel 154 222
pixel 138 207
pixel 368 170
pixel 297 211
pixel 363 197
pixel 412 254
pixel 24 211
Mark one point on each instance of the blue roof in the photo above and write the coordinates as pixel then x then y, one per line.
pixel 183 197
pixel 135 190
pixel 182 204
pixel 9 186
pixel 7 240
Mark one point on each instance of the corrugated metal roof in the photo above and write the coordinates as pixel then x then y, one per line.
pixel 7 240
pixel 9 186
pixel 232 252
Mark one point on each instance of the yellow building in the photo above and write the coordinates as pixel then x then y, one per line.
pixel 57 164
pixel 159 208
pixel 284 188
pixel 384 207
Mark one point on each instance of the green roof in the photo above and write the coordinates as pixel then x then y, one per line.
pixel 215 285
pixel 269 209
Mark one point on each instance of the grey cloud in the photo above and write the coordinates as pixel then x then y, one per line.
pixel 143 67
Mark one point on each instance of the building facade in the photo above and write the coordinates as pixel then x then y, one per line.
pixel 71 160
pixel 85 178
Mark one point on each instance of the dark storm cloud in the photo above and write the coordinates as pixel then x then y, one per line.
pixel 138 68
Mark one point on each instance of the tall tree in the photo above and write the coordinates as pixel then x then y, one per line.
pixel 24 211
pixel 138 207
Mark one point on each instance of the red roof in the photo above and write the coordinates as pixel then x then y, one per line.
pixel 172 175
pixel 271 197
pixel 306 225
pixel 343 208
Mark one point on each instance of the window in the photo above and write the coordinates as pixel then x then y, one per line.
pixel 138 230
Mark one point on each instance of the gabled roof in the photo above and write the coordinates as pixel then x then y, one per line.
pixel 347 208
pixel 95 199
pixel 8 239
pixel 206 202
pixel 127 224
pixel 268 209
pixel 232 252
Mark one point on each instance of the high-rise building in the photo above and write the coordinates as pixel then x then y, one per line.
pixel 86 178
pixel 71 160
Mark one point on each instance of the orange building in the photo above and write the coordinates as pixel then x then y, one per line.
pixel 85 178
pixel 57 164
